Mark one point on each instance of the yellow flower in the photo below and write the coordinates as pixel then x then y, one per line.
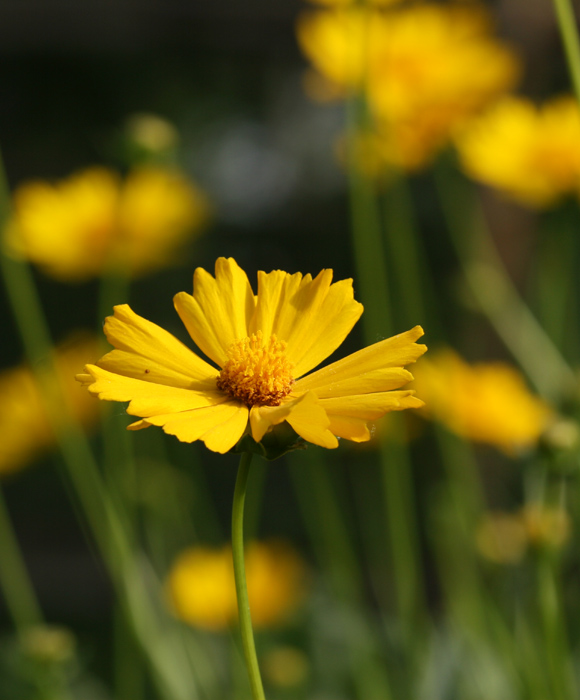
pixel 505 538
pixel 77 228
pixel 425 70
pixel 351 3
pixel 264 346
pixel 25 430
pixel 530 153
pixel 202 590
pixel 485 402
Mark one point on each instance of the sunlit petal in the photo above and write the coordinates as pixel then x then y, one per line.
pixel 313 316
pixel 146 351
pixel 220 309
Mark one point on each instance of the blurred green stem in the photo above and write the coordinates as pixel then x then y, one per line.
pixel 568 31
pixel 152 627
pixel 240 577
pixel 331 538
pixel 556 276
pixel 397 474
pixel 401 236
pixel 18 592
pixel 373 283
pixel 554 635
pixel 495 293
pixel 369 255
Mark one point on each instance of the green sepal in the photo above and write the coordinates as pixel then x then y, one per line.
pixel 275 443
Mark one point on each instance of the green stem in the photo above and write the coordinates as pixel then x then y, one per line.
pixel 14 580
pixel 494 291
pixel 367 238
pixel 402 525
pixel 240 577
pixel 569 34
pixel 324 516
pixel 402 244
pixel 156 633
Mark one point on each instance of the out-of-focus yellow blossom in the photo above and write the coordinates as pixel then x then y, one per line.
pixel 425 70
pixel 504 538
pixel 501 538
pixel 25 430
pixel 530 153
pixel 151 133
pixel 49 644
pixel 352 3
pixel 285 667
pixel 202 590
pixel 546 526
pixel 92 221
pixel 485 402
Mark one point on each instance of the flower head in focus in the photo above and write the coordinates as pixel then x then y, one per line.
pixel 424 70
pixel 504 538
pixel 264 346
pixel 25 429
pixel 92 221
pixel 202 591
pixel 485 402
pixel 530 153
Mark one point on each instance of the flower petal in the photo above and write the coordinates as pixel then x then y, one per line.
pixel 147 398
pixel 313 316
pixel 225 435
pixel 220 309
pixel 354 429
pixel 220 426
pixel 303 413
pixel 149 353
pixel 375 368
pixel 371 406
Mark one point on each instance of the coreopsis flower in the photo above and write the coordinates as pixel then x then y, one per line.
pixel 25 428
pixel 351 3
pixel 424 69
pixel 530 153
pixel 505 538
pixel 264 347
pixel 486 402
pixel 202 590
pixel 93 221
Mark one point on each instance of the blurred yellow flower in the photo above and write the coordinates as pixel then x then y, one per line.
pixel 425 70
pixel 352 3
pixel 263 344
pixel 504 538
pixel 530 153
pixel 25 430
pixel 485 402
pixel 92 221
pixel 151 133
pixel 202 590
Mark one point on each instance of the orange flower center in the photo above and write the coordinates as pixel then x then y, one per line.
pixel 257 371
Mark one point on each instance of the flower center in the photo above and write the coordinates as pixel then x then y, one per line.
pixel 257 371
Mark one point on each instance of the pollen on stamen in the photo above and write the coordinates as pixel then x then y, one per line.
pixel 257 371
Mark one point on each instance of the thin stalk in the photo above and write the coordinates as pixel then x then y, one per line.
pixel 401 235
pixel 367 238
pixel 397 475
pixel 556 276
pixel 16 586
pixel 332 540
pixel 377 320
pixel 554 632
pixel 496 294
pixel 245 618
pixel 569 34
pixel 153 630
